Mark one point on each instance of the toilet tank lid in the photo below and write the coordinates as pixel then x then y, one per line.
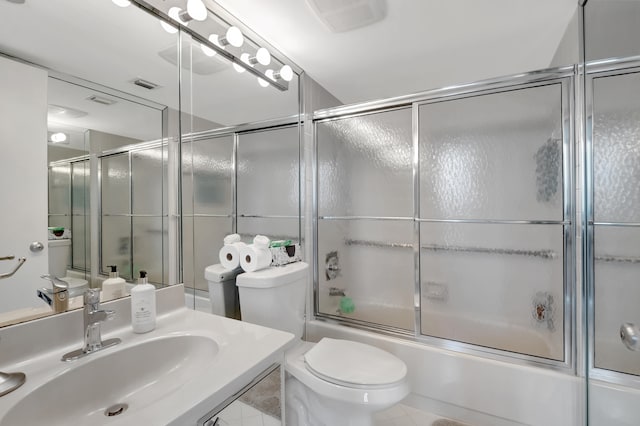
pixel 59 242
pixel 273 276
pixel 355 363
pixel 218 273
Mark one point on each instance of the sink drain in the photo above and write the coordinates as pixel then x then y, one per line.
pixel 115 410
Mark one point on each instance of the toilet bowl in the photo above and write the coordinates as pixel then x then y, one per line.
pixel 332 382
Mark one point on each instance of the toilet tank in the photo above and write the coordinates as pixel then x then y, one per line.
pixel 59 257
pixel 275 297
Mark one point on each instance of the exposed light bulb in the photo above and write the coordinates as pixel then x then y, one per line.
pixel 269 73
pixel 174 13
pixel 263 82
pixel 234 37
pixel 263 56
pixel 286 73
pixel 197 10
pixel 121 3
pixel 246 59
pixel 207 50
pixel 238 68
pixel 58 137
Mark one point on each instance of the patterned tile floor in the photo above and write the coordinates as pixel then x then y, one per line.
pixel 241 414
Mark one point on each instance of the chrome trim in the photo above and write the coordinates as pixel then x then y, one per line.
pixel 614 65
pixel 417 288
pixel 21 261
pixel 315 221
pixel 132 215
pixel 498 222
pixel 617 224
pixel 474 87
pixel 131 242
pixel 616 259
pixel 234 183
pixel 362 113
pixel 364 218
pixel 67 161
pixel 257 126
pixel 158 143
pixel 209 215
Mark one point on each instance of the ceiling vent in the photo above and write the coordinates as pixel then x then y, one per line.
pixel 198 60
pixel 346 15
pixel 145 84
pixel 101 100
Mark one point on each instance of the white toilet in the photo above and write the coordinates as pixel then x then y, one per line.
pixel 329 383
pixel 59 259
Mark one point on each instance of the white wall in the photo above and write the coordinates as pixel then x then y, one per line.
pixel 23 180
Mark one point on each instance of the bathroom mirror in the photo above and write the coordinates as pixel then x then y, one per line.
pixel 97 54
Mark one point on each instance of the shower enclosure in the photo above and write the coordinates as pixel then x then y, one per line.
pixel 448 216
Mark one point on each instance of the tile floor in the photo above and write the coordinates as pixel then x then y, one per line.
pixel 241 414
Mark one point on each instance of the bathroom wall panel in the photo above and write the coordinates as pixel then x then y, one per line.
pixel 268 172
pixel 372 262
pixel 499 286
pixel 493 156
pixel 80 209
pixel 365 165
pixel 202 240
pixel 616 148
pixel 616 295
pixel 115 184
pixel 207 176
pixel 116 245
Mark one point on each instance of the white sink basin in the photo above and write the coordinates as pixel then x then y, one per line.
pixel 137 376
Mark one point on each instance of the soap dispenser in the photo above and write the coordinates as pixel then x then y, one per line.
pixel 114 286
pixel 143 305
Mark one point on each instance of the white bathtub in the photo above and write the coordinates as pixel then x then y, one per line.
pixel 476 390
pixel 535 341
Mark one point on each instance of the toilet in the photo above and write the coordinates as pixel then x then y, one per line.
pixel 59 259
pixel 332 382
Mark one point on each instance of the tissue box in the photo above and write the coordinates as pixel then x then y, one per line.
pixel 284 255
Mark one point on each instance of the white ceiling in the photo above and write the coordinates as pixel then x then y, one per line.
pixel 420 45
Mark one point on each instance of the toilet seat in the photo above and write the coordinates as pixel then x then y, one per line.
pixel 341 390
pixel 353 364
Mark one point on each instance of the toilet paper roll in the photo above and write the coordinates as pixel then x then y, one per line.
pixel 253 258
pixel 229 255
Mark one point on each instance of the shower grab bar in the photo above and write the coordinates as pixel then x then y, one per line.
pixel 7 257
pixel 9 274
pixel 544 254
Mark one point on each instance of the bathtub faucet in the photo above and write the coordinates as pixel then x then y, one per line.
pixel 335 291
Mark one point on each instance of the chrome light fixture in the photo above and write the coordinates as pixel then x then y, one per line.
pixel 58 137
pixel 285 73
pixel 122 3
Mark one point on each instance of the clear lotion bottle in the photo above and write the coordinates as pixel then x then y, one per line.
pixel 143 305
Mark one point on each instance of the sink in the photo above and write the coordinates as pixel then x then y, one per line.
pixel 135 377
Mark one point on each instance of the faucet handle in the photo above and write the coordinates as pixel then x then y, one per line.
pixel 91 296
pixel 56 283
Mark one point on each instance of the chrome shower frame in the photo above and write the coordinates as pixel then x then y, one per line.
pixel 566 77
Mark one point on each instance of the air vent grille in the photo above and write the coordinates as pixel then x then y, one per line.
pixel 145 84
pixel 346 15
pixel 101 100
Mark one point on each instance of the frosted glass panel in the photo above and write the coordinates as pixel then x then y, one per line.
pixel 80 188
pixel 268 172
pixel 80 238
pixel 364 165
pixel 207 176
pixel 149 181
pixel 372 263
pixel 59 189
pixel 499 286
pixel 149 242
pixel 116 245
pixel 115 184
pixel 617 293
pixel 208 233
pixel 496 156
pixel 616 148
pixel 274 228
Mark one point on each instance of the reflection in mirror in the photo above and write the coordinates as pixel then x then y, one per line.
pixel 101 194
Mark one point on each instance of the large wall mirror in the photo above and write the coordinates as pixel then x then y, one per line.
pixel 137 101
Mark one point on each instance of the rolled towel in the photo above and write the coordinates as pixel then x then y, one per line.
pixel 229 254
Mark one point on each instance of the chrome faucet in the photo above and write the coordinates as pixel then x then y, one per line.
pixel 58 297
pixel 93 316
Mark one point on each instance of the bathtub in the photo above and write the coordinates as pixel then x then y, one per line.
pixel 476 390
pixel 533 340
